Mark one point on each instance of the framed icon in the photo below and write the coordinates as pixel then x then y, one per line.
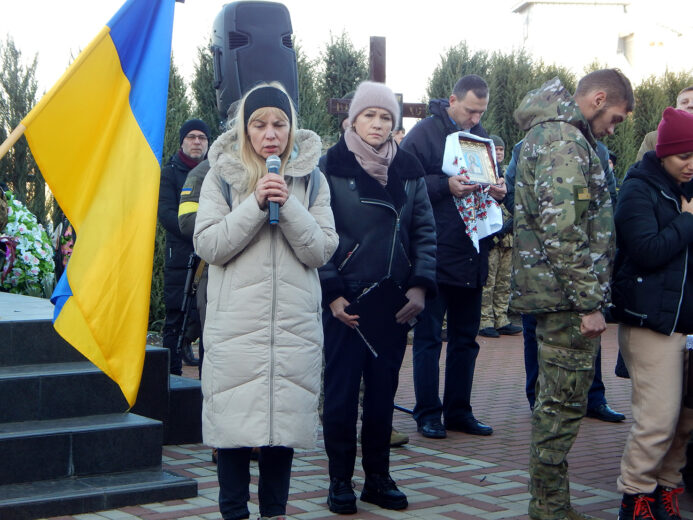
pixel 475 158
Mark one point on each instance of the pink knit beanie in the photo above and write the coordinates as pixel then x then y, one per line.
pixel 378 95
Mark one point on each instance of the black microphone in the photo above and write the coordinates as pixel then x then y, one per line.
pixel 273 164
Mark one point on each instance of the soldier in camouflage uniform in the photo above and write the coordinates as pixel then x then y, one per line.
pixel 562 254
pixel 496 294
pixel 187 212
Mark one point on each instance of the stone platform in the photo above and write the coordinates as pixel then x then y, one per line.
pixel 68 444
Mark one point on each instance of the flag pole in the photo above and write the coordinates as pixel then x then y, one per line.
pixel 13 138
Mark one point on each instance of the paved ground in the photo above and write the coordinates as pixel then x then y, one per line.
pixel 461 477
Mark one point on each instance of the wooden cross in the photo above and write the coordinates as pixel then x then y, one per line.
pixel 377 73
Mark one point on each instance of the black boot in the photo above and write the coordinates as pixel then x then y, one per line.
pixel 666 504
pixel 382 491
pixel 637 507
pixel 341 498
pixel 188 356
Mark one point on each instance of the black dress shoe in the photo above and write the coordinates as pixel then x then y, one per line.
pixel 382 491
pixel 509 329
pixel 470 426
pixel 433 429
pixel 341 498
pixel 489 332
pixel 604 413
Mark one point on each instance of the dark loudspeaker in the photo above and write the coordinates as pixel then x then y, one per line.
pixel 251 43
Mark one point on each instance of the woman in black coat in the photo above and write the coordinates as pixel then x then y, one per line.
pixel 652 291
pixel 386 229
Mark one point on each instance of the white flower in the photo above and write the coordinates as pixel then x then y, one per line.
pixel 34 254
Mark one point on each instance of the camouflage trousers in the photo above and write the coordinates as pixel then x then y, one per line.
pixel 566 370
pixel 496 293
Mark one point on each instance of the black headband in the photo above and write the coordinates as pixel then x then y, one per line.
pixel 266 97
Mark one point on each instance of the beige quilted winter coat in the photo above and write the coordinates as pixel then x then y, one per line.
pixel 263 334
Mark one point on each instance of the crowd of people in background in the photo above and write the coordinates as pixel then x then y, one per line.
pixel 311 268
pixel 381 229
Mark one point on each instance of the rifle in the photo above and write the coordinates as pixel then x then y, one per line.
pixel 195 267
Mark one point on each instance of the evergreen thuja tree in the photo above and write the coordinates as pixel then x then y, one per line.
pixel 456 62
pixel 18 168
pixel 509 78
pixel 177 112
pixel 312 107
pixel 343 67
pixel 204 95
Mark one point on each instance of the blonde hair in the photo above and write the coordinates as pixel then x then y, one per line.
pixel 254 163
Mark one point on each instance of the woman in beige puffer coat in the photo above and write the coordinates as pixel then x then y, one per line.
pixel 263 333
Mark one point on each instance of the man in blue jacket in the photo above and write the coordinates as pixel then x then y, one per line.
pixel 461 269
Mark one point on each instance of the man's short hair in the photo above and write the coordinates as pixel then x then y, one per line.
pixel 687 89
pixel 612 81
pixel 470 82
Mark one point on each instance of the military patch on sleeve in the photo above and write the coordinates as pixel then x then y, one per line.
pixel 583 194
pixel 186 190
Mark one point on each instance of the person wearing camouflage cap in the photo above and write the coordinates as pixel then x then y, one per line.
pixel 562 258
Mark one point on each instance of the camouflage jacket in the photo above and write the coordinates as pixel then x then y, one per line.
pixel 564 231
pixel 190 198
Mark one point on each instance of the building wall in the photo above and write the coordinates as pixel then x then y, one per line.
pixel 639 42
pixel 573 35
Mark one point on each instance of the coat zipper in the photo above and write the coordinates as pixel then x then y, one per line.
pixel 396 228
pixel 273 310
pixel 394 243
pixel 685 268
pixel 642 317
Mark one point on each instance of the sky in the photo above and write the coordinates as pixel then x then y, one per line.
pixel 58 29
pixel 417 32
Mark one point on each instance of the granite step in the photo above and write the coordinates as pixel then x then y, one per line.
pixel 78 446
pixel 27 342
pixel 57 390
pixel 184 424
pixel 75 496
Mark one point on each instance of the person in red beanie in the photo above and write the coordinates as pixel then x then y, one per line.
pixel 652 293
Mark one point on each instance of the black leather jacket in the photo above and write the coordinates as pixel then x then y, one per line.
pixel 381 230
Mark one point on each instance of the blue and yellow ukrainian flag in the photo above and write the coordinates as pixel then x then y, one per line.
pixel 97 137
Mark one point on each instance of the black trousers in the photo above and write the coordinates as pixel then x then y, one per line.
pixel 172 326
pixel 347 358
pixel 463 308
pixel 233 472
pixel 171 330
